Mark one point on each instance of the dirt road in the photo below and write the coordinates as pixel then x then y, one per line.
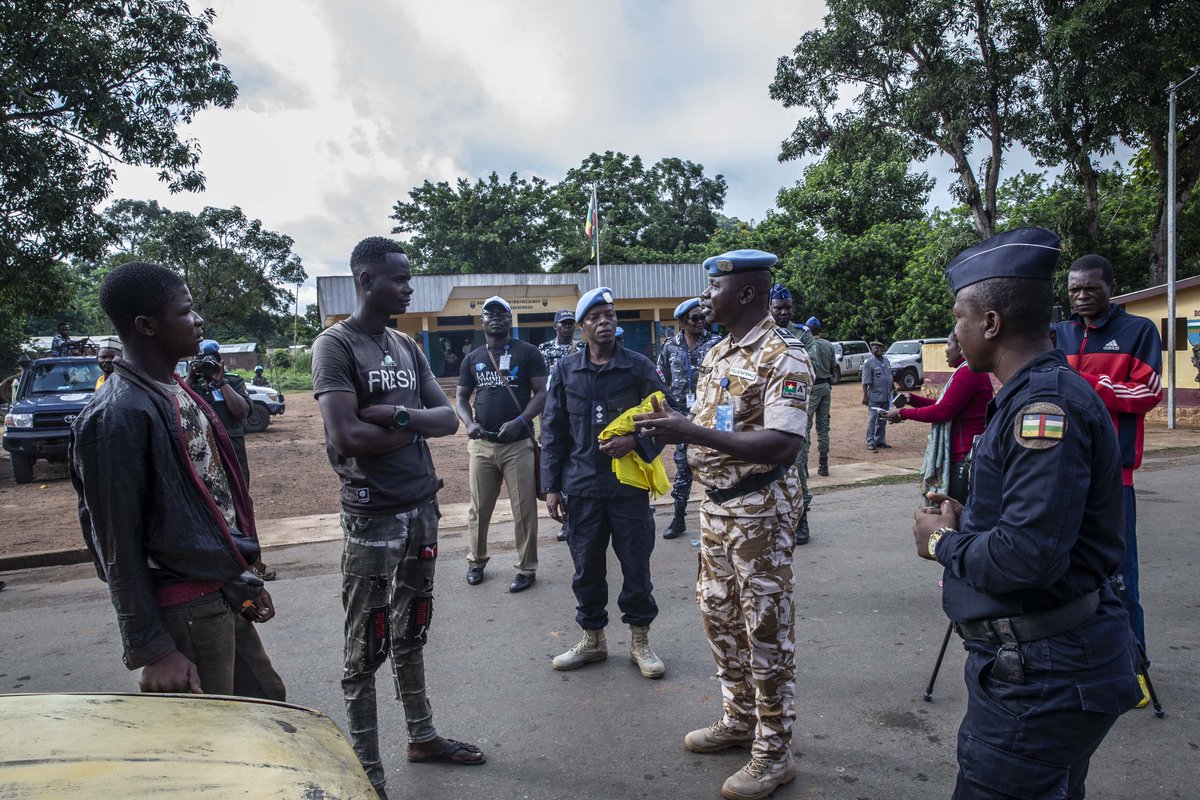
pixel 291 477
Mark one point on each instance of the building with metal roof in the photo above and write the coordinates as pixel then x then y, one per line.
pixel 444 313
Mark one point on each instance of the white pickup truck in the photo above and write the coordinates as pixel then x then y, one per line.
pixel 907 366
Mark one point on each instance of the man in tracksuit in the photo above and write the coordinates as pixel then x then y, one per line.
pixel 163 510
pixel 1120 355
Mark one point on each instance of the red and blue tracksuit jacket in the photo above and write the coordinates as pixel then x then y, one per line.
pixel 1121 357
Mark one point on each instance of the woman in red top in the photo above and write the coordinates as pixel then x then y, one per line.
pixel 958 416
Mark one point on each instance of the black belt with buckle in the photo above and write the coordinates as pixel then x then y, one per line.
pixel 1031 627
pixel 747 485
pixel 819 381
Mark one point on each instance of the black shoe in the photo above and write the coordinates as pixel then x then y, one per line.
pixel 802 531
pixel 562 535
pixel 474 575
pixel 521 582
pixel 886 446
pixel 823 469
pixel 676 529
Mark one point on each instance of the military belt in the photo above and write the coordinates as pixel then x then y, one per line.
pixel 747 485
pixel 1031 627
pixel 819 381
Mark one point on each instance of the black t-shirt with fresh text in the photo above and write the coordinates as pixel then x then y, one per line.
pixel 378 370
pixel 494 406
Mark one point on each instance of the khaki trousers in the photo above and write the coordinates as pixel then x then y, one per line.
pixel 510 464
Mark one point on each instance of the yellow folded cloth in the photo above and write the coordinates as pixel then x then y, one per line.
pixel 630 469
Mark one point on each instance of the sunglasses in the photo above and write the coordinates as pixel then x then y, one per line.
pixel 695 318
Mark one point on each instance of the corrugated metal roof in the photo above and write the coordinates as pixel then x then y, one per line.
pixel 335 293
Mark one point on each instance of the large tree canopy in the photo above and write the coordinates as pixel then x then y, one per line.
pixel 87 84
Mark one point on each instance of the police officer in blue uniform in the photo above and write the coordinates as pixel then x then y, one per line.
pixel 1051 660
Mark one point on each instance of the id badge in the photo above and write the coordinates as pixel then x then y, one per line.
pixel 505 362
pixel 691 399
pixel 725 418
pixel 218 395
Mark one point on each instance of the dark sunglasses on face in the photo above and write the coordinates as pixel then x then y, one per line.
pixel 696 318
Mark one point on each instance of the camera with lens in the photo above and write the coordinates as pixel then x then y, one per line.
pixel 208 366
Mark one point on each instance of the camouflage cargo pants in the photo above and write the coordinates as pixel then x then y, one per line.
pixel 745 587
pixel 818 411
pixel 387 592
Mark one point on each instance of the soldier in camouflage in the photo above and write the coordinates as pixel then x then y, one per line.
pixel 748 423
pixel 563 344
pixel 679 366
pixel 781 312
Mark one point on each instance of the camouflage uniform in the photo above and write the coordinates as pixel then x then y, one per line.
pixel 745 581
pixel 679 367
pixel 552 351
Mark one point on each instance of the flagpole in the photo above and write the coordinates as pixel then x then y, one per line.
pixel 596 205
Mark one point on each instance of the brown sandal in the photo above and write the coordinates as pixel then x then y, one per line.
pixel 457 753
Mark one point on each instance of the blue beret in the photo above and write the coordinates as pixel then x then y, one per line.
pixel 813 324
pixel 210 347
pixel 1023 253
pixel 619 331
pixel 601 294
pixel 739 261
pixel 686 306
pixel 780 292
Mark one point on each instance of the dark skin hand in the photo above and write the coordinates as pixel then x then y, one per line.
pixel 945 514
pixel 263 609
pixel 557 506
pixel 665 425
pixel 174 672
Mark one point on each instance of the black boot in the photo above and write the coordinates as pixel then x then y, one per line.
pixel 678 525
pixel 823 467
pixel 802 531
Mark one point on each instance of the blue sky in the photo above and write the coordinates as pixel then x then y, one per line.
pixel 344 106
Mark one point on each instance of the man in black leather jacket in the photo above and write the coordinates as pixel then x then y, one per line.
pixel 171 530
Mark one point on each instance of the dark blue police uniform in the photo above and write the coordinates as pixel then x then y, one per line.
pixel 1051 659
pixel 582 400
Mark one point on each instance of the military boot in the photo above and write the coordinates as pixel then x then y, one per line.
pixel 592 647
pixel 823 467
pixel 641 654
pixel 759 778
pixel 678 525
pixel 802 530
pixel 716 738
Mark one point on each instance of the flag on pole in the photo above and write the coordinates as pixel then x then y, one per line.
pixel 592 226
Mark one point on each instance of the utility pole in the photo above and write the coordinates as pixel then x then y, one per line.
pixel 1171 92
pixel 296 319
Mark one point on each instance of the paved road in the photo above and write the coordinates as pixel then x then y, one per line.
pixel 868 629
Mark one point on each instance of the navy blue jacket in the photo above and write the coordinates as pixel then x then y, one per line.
pixel 1044 523
pixel 582 399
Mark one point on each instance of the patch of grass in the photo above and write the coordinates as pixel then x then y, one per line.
pixel 883 480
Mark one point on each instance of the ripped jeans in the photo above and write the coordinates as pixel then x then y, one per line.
pixel 387 592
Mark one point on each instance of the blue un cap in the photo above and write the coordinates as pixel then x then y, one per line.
pixel 780 292
pixel 813 324
pixel 683 308
pixel 1024 253
pixel 210 347
pixel 737 261
pixel 601 294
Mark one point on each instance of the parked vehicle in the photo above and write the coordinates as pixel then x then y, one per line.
pixel 133 746
pixel 49 396
pixel 907 366
pixel 848 358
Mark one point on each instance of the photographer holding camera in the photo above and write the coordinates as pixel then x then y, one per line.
pixel 226 394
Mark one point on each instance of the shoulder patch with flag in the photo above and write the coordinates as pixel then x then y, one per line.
pixel 794 389
pixel 1039 426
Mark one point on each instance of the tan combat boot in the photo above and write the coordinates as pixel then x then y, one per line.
pixel 639 650
pixel 716 738
pixel 592 647
pixel 758 779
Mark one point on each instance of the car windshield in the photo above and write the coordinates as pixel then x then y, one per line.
pixel 904 349
pixel 61 378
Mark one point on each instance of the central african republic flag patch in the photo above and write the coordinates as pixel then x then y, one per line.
pixel 1040 425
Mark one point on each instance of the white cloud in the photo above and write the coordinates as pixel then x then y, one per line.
pixel 346 106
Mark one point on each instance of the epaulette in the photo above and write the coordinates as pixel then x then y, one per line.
pixel 787 335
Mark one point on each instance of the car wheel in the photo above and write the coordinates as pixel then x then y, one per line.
pixel 908 380
pixel 22 468
pixel 836 374
pixel 258 419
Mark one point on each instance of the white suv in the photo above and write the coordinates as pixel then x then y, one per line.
pixel 848 358
pixel 905 358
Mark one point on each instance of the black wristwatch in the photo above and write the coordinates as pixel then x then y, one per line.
pixel 400 418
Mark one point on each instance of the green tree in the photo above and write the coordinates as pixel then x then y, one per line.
pixel 488 226
pixel 88 84
pixel 939 74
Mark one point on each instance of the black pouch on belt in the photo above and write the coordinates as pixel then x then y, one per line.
pixel 1009 665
